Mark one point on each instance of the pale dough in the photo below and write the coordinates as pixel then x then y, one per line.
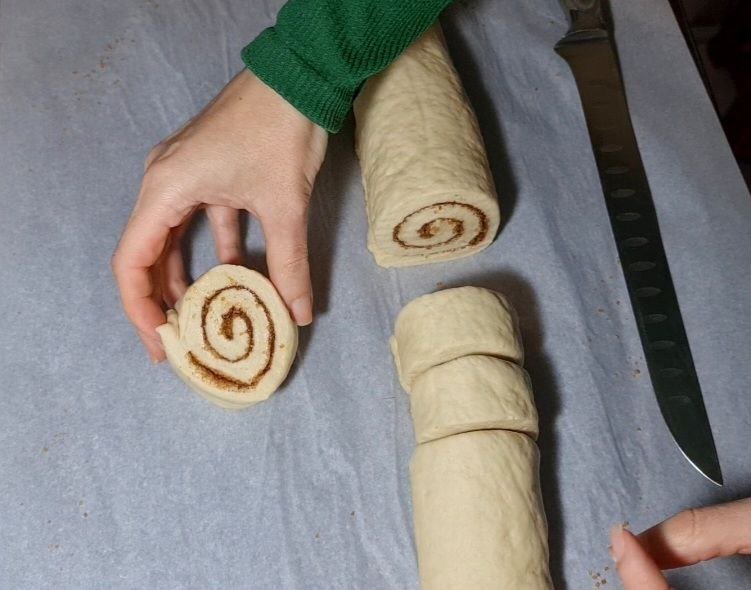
pixel 472 393
pixel 479 519
pixel 449 324
pixel 231 339
pixel 428 188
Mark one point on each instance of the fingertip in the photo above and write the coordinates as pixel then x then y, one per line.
pixel 302 310
pixel 635 567
pixel 154 347
pixel 617 542
pixel 156 358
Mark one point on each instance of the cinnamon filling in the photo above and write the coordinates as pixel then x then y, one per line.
pixel 432 227
pixel 226 330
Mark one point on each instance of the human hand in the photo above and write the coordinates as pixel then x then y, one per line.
pixel 688 537
pixel 247 150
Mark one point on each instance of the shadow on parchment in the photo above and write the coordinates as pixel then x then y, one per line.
pixel 251 258
pixel 547 399
pixel 324 220
pixel 487 117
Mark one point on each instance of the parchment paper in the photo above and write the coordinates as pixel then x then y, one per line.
pixel 113 475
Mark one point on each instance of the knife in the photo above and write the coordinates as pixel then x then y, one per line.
pixel 590 51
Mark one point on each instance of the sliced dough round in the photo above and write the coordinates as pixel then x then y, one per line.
pixel 479 519
pixel 231 339
pixel 472 393
pixel 449 324
pixel 428 188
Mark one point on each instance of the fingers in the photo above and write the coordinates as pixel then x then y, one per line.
pixel 700 534
pixel 138 291
pixel 287 258
pixel 225 226
pixel 141 245
pixel 174 281
pixel 635 567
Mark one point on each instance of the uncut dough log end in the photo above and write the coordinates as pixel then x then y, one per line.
pixel 472 393
pixel 428 188
pixel 452 323
pixel 231 338
pixel 479 519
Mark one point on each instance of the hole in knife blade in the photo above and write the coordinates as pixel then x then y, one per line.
pixel 647 292
pixel 671 372
pixel 622 193
pixel 655 318
pixel 679 401
pixel 613 170
pixel 661 344
pixel 641 265
pixel 635 242
pixel 610 147
pixel 628 216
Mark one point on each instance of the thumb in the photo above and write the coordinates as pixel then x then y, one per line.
pixel 287 258
pixel 635 568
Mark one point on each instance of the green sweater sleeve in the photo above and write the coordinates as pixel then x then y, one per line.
pixel 321 51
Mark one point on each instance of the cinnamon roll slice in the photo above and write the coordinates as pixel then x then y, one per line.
pixel 471 393
pixel 443 326
pixel 231 337
pixel 428 188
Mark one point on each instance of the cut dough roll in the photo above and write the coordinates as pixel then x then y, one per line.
pixel 449 324
pixel 472 393
pixel 428 187
pixel 231 339
pixel 479 519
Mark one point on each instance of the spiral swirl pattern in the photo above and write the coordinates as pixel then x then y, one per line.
pixel 232 338
pixel 228 318
pixel 447 226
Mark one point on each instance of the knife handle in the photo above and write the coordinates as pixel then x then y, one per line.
pixel 587 15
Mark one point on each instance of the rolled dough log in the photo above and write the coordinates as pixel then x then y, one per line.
pixel 479 519
pixel 449 324
pixel 428 189
pixel 231 339
pixel 472 393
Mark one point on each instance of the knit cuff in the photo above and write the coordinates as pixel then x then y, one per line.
pixel 300 85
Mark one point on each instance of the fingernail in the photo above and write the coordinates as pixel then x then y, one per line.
pixel 302 311
pixel 616 537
